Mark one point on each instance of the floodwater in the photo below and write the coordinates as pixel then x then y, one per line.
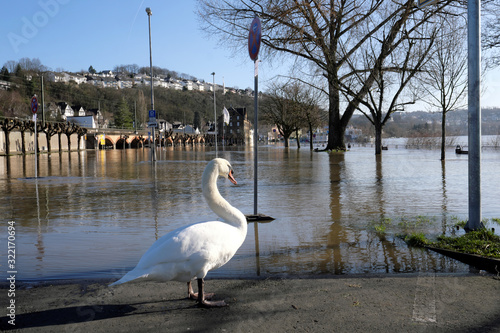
pixel 93 214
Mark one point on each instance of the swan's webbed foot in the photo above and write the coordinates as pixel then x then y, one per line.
pixel 194 296
pixel 211 304
pixel 204 299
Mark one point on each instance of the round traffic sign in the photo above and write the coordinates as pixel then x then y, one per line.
pixel 254 37
pixel 34 104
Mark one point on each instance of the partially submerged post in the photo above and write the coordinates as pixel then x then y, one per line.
pixel 474 64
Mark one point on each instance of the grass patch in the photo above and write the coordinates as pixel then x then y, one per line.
pixel 416 239
pixel 481 242
pixel 401 224
pixel 381 225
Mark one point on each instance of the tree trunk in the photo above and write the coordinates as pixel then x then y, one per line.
pixel 7 141
pixel 378 139
pixel 59 139
pixel 47 137
pixel 310 137
pixel 298 139
pixel 443 136
pixel 69 142
pixel 335 131
pixel 286 140
pixel 23 143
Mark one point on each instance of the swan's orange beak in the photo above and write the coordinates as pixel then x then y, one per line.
pixel 231 177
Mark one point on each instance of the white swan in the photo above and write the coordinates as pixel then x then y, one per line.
pixel 191 251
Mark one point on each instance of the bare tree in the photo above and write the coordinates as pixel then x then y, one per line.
pixel 309 113
pixel 69 129
pixel 445 79
pixel 280 108
pixel 328 35
pixel 7 126
pixel 388 92
pixel 23 126
pixel 50 130
pixel 491 31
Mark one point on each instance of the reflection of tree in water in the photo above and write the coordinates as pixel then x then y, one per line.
pixel 338 237
pixel 356 249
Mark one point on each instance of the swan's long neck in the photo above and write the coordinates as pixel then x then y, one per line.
pixel 217 203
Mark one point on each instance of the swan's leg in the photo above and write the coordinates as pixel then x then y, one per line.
pixel 193 295
pixel 202 298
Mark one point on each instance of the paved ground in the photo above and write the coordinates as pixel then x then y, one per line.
pixel 388 303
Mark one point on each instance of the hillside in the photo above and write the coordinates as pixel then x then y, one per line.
pixel 189 106
pixel 420 123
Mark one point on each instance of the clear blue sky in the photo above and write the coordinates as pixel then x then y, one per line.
pixel 74 34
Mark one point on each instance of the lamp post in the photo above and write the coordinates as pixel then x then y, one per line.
pixel 153 155
pixel 215 117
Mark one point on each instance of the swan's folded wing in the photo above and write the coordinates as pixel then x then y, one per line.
pixel 196 242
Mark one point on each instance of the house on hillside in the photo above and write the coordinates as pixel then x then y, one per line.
pixel 98 118
pixel 5 85
pixel 78 110
pixel 66 77
pixel 65 110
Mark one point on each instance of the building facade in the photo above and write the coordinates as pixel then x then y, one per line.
pixel 237 131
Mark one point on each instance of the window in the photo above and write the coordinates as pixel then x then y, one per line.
pixel 238 124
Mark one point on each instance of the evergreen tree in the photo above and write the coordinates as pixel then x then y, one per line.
pixel 19 71
pixel 197 120
pixel 123 115
pixel 4 74
pixel 92 70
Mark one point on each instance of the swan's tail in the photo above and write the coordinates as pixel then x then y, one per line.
pixel 130 276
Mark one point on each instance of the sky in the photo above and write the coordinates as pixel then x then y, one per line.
pixel 73 35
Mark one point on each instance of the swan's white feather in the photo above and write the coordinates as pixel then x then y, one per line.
pixel 191 251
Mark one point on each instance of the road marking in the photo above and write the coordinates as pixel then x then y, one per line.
pixel 424 306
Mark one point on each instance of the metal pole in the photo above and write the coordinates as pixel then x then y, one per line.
pixel 255 135
pixel 153 147
pixel 43 105
pixel 474 63
pixel 36 144
pixel 215 117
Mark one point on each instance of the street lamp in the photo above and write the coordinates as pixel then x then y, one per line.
pixel 148 11
pixel 215 117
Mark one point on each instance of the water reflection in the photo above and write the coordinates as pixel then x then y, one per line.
pixel 93 214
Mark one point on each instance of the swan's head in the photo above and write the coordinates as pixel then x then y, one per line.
pixel 224 168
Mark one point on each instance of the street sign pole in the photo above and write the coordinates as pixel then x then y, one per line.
pixel 255 133
pixel 254 38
